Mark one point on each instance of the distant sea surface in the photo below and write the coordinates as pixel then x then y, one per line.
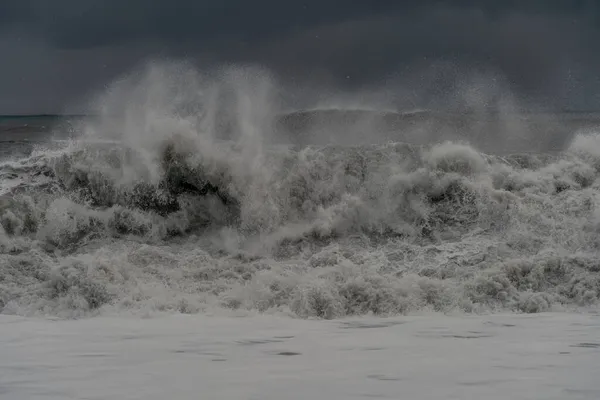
pixel 19 135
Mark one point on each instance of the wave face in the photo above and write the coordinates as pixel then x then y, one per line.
pixel 178 199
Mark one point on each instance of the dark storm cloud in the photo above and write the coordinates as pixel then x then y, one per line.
pixel 56 51
pixel 84 23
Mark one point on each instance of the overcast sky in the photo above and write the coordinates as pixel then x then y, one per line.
pixel 55 53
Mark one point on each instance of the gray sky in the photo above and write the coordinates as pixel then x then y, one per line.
pixel 56 53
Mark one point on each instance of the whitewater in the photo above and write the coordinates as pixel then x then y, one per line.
pixel 367 251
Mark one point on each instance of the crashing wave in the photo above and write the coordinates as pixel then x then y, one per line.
pixel 153 210
pixel 437 204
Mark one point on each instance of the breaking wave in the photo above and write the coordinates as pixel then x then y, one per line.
pixel 182 197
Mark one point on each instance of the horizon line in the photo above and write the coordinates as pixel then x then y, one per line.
pixel 566 111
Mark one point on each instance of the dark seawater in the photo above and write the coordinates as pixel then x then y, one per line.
pixel 20 135
pixel 322 213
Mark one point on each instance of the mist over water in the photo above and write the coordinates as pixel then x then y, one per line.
pixel 197 192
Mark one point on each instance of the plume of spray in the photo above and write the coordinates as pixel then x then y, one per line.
pixel 168 101
pixel 219 121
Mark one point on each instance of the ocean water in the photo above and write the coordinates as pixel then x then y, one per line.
pixel 189 195
pixel 196 238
